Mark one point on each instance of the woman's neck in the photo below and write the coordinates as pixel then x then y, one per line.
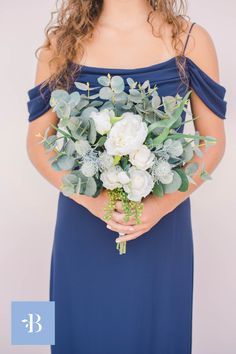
pixel 124 14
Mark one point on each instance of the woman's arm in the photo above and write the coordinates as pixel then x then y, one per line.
pixel 204 55
pixel 39 157
pixel 36 128
pixel 202 52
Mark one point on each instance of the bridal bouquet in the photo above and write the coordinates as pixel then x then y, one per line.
pixel 126 141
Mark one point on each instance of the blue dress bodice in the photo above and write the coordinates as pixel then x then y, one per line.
pixel 165 75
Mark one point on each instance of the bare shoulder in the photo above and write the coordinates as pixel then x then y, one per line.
pixel 202 51
pixel 44 68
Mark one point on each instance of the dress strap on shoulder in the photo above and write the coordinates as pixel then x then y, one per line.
pixel 186 42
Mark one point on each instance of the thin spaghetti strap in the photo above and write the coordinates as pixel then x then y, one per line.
pixel 185 46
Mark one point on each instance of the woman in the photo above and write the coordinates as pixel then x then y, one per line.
pixel 139 303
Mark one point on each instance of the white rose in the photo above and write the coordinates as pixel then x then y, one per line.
pixel 102 121
pixel 142 158
pixel 162 170
pixel 140 185
pixel 123 178
pixel 82 147
pixel 114 177
pixel 126 135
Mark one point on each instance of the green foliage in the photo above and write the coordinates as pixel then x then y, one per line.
pixel 158 189
pixel 185 182
pixel 174 185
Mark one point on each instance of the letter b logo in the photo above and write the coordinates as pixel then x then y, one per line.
pixel 33 322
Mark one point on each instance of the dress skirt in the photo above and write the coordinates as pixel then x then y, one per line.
pixel 106 303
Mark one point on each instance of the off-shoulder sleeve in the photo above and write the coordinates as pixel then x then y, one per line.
pixel 38 102
pixel 210 91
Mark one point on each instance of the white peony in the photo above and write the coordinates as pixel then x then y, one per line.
pixel 102 120
pixel 142 158
pixel 113 178
pixel 140 185
pixel 126 135
pixel 162 171
pixel 82 147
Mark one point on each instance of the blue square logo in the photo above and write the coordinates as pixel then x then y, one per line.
pixel 33 322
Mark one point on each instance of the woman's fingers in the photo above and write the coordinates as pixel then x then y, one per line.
pixel 114 226
pixel 130 230
pixel 130 236
pixel 119 218
pixel 118 207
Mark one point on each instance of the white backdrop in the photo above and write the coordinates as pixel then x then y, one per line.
pixel 28 202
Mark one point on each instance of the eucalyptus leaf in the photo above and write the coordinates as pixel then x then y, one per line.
pixel 96 103
pixel 92 97
pixel 105 93
pixel 117 84
pixel 174 185
pixel 160 138
pixel 55 166
pixel 191 168
pixel 74 123
pixel 169 103
pixel 87 111
pixel 91 187
pixel 184 178
pixel 145 84
pixel 70 178
pixel 156 101
pixel 187 154
pixel 121 98
pixel 57 96
pixel 74 99
pixel 68 190
pixel 198 151
pixel 81 86
pixel 103 80
pixel 131 82
pixel 108 105
pixel 70 147
pixel 101 141
pixel 158 189
pixel 65 162
pixel 50 142
pixel 92 131
pixel 205 176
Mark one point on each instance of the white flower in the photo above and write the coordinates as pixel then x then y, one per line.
pixel 123 178
pixel 140 185
pixel 162 171
pixel 82 147
pixel 173 147
pixel 89 168
pixel 114 177
pixel 102 120
pixel 126 135
pixel 105 161
pixel 142 158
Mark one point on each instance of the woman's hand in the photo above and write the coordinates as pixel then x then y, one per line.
pixel 97 207
pixel 152 213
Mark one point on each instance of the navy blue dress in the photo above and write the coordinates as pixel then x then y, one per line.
pixel 141 302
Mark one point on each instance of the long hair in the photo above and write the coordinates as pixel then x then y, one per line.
pixel 75 21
